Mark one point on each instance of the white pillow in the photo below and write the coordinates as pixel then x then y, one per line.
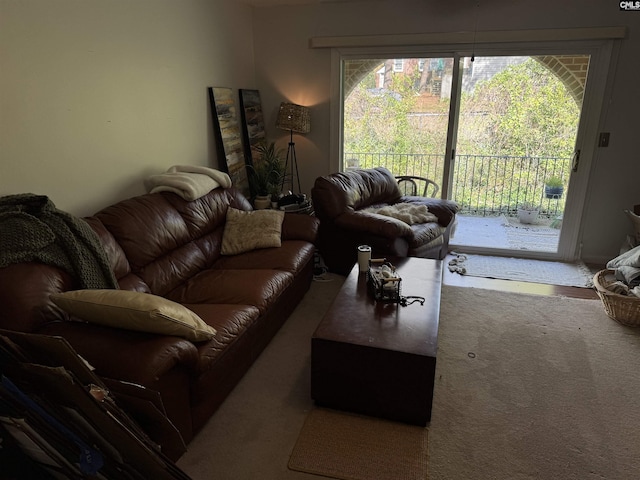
pixel 131 310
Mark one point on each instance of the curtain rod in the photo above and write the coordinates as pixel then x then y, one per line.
pixel 497 36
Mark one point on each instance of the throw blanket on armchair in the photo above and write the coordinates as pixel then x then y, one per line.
pixel 33 229
pixel 409 213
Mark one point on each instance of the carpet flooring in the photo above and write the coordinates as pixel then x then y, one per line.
pixel 527 387
pixel 533 387
pixel 356 447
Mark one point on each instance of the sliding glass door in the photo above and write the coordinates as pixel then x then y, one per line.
pixel 500 133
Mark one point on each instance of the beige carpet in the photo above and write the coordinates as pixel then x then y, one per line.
pixel 533 387
pixel 354 447
pixel 527 387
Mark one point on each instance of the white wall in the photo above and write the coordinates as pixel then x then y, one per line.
pixel 287 69
pixel 97 95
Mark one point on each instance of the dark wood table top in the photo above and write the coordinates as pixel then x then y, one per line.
pixel 356 318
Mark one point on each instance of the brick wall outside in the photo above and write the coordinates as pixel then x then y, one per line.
pixel 570 69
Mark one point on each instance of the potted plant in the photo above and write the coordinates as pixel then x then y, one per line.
pixel 265 176
pixel 528 213
pixel 553 187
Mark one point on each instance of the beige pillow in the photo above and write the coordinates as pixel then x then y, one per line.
pixel 138 311
pixel 248 230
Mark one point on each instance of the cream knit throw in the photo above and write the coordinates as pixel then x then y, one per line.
pixel 409 213
pixel 188 181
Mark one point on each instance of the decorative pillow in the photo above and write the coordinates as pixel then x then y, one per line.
pixel 248 230
pixel 131 310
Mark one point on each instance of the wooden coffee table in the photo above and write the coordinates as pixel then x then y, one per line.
pixel 379 359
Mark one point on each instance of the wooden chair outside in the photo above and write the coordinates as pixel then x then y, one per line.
pixel 417 186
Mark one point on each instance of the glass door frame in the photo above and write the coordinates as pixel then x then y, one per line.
pixel 600 52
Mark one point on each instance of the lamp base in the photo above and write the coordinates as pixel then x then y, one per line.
pixel 291 157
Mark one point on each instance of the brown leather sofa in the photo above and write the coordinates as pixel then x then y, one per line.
pixel 162 244
pixel 339 200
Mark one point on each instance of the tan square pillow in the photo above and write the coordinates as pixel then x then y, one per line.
pixel 248 230
pixel 138 311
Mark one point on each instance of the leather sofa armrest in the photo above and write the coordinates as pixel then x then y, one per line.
pixel 383 226
pixel 297 226
pixel 126 355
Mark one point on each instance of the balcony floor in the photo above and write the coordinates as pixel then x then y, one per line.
pixel 501 232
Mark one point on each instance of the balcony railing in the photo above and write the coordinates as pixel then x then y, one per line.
pixel 483 185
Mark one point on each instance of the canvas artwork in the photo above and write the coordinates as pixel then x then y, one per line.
pixel 252 123
pixel 228 137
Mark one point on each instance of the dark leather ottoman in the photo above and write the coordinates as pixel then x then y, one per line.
pixel 379 359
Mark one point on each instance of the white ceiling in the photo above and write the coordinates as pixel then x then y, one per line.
pixel 267 3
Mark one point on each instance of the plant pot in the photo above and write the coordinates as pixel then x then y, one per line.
pixel 528 216
pixel 553 192
pixel 261 202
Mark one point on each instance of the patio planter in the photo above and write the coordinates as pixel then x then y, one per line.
pixel 553 192
pixel 527 216
pixel 261 202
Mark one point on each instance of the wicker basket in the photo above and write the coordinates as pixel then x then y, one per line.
pixel 624 309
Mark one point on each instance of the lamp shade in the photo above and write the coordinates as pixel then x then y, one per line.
pixel 294 118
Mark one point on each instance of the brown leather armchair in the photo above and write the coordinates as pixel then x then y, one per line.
pixel 342 202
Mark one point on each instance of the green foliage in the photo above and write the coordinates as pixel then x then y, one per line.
pixel 378 121
pixel 553 182
pixel 526 112
pixel 529 207
pixel 265 176
pixel 523 111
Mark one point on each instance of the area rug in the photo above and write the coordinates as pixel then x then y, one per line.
pixel 527 387
pixel 530 387
pixel 575 274
pixel 353 447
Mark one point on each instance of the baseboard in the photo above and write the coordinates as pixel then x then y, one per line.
pixel 602 261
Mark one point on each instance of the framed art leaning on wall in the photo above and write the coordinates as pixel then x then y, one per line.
pixel 253 131
pixel 228 137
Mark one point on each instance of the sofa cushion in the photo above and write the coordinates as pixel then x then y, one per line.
pixel 444 210
pixel 134 311
pixel 231 323
pixel 260 288
pixel 292 256
pixel 424 233
pixel 409 213
pixel 248 230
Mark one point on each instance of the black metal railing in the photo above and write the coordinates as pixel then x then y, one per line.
pixel 483 185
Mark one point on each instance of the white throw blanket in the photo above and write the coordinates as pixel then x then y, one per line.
pixel 188 181
pixel 409 213
pixel 627 267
